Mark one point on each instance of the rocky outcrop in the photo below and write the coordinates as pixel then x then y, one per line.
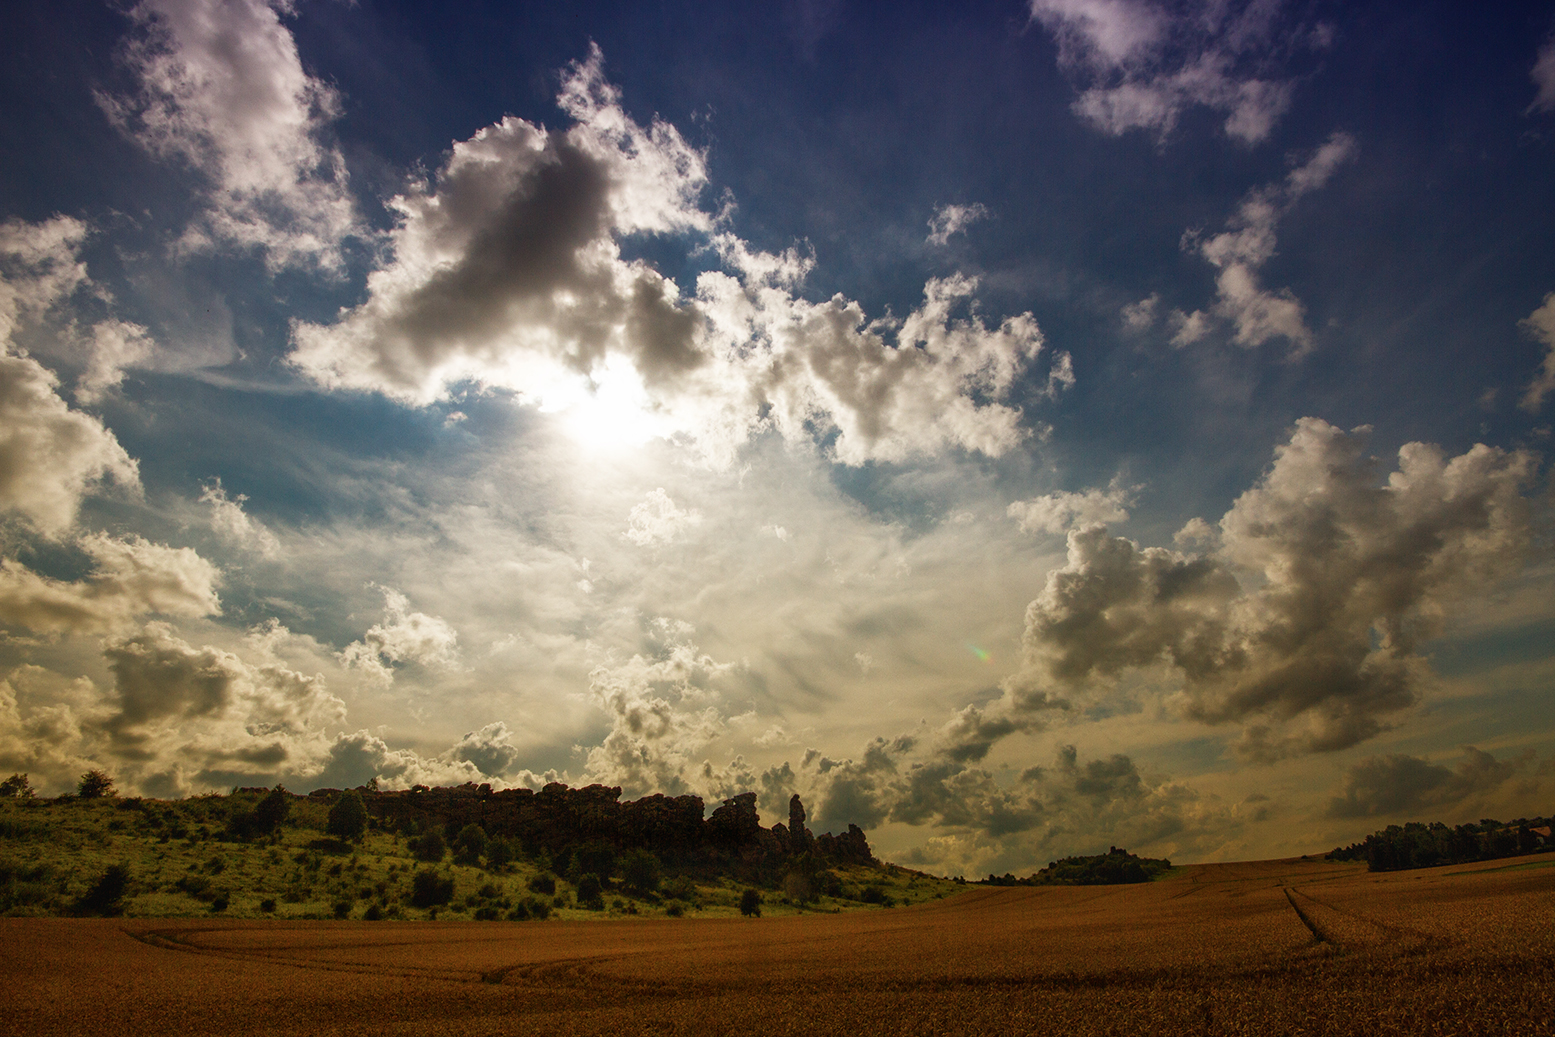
pixel 672 827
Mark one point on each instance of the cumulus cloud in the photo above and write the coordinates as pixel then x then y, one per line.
pixel 1305 622
pixel 1256 313
pixel 116 346
pixel 1543 75
pixel 1396 785
pixel 234 524
pixel 661 713
pixel 130 577
pixel 1142 64
pixel 39 266
pixel 1058 512
pixel 404 636
pixel 953 219
pixel 1541 325
pixel 657 521
pixel 507 271
pixel 221 88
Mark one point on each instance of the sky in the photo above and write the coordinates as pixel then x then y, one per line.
pixel 1020 428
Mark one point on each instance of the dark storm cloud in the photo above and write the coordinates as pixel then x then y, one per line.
pixel 1395 785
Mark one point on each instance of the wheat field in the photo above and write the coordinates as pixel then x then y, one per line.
pixel 1274 947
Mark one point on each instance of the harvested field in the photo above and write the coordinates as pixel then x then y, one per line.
pixel 1276 947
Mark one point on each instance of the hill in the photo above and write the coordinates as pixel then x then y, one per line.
pixel 427 853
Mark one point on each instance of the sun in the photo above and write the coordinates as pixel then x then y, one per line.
pixel 611 412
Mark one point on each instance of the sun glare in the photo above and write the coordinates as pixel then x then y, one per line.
pixel 611 413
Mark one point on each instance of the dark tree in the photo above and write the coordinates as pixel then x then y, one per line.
pixel 272 811
pixel 590 893
pixel 106 897
pixel 750 904
pixel 640 871
pixel 95 785
pixel 16 787
pixel 348 817
pixel 543 883
pixel 429 847
pixel 429 889
pixel 501 852
pixel 470 844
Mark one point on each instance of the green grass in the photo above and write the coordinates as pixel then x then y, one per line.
pixel 181 864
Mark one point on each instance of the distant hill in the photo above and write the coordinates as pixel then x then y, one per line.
pixel 1420 845
pixel 1115 867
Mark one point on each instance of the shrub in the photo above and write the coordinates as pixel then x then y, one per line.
pixel 675 910
pixel 106 897
pixel 538 908
pixel 590 893
pixel 272 811
pixel 875 895
pixel 267 906
pixel 594 859
pixel 543 883
pixel 95 784
pixel 374 913
pixel 750 903
pixel 220 902
pixel 16 787
pixel 470 844
pixel 342 908
pixel 501 852
pixel 640 871
pixel 429 889
pixel 348 817
pixel 486 914
pixel 429 847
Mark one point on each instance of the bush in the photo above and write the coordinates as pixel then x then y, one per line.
pixel 594 859
pixel 267 906
pixel 374 913
pixel 875 895
pixel 342 909
pixel 95 784
pixel 428 848
pixel 675 910
pixel 543 883
pixel 272 811
pixel 348 817
pixel 750 903
pixel 429 889
pixel 640 871
pixel 590 893
pixel 16 787
pixel 470 844
pixel 106 897
pixel 501 852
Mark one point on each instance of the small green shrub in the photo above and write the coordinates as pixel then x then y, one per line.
pixel 429 889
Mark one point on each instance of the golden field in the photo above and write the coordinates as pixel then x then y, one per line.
pixel 1274 947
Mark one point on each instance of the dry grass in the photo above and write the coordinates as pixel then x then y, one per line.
pixel 1280 947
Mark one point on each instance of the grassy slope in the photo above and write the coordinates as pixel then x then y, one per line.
pixel 53 851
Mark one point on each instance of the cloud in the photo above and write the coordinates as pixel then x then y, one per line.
pixel 1142 64
pixel 506 270
pixel 1543 75
pixel 403 637
pixel 221 88
pixel 51 456
pixel 657 521
pixel 1305 622
pixel 234 524
pixel 1258 314
pixel 953 219
pixel 660 713
pixel 1541 325
pixel 1057 512
pixel 116 346
pixel 489 749
pixel 1139 316
pixel 1395 785
pixel 39 266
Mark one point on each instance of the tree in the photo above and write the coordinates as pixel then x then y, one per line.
pixel 106 897
pixel 640 871
pixel 16 787
pixel 501 852
pixel 95 784
pixel 590 894
pixel 429 847
pixel 348 817
pixel 470 844
pixel 750 903
pixel 429 889
pixel 272 811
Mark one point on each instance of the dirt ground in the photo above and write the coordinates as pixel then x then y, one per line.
pixel 1274 947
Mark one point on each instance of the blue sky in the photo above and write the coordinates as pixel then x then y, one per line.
pixel 1018 428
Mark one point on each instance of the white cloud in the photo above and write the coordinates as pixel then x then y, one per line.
pixel 116 345
pixel 1142 64
pixel 222 88
pixel 1541 325
pixel 51 456
pixel 39 266
pixel 403 637
pixel 1305 623
pixel 953 219
pixel 507 271
pixel 656 520
pixel 1256 313
pixel 1139 316
pixel 1058 512
pixel 130 578
pixel 1543 75
pixel 234 524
